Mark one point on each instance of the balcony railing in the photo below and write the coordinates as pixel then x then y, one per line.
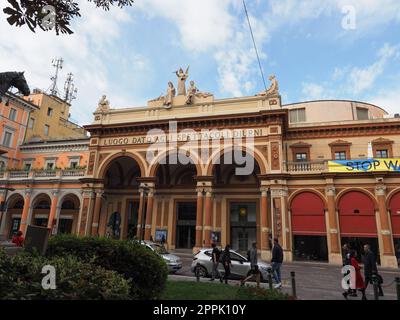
pixel 42 174
pixel 307 166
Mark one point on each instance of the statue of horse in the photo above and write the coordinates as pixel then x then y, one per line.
pixel 13 79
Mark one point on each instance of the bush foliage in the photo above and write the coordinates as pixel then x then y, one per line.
pixel 21 278
pixel 146 271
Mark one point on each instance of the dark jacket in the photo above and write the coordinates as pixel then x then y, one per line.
pixel 225 257
pixel 277 254
pixel 369 261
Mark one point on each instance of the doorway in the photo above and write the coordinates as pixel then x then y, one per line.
pixel 185 225
pixel 133 215
pixel 243 225
pixel 65 226
pixel 357 244
pixel 15 224
pixel 310 248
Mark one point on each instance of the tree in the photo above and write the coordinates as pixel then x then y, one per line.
pixel 37 13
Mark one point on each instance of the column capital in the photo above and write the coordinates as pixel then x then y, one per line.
pixel 55 192
pixel 380 190
pixel 264 190
pixel 28 192
pixel 99 193
pixel 279 192
pixel 330 191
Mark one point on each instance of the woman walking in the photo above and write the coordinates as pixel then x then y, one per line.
pixel 360 285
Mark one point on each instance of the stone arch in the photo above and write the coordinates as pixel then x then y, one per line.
pixel 257 155
pixel 155 164
pixel 316 192
pixel 342 193
pixel 39 197
pixel 67 194
pixel 109 161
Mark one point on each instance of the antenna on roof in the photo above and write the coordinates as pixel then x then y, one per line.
pixel 69 88
pixel 58 64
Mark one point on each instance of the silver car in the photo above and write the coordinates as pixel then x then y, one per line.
pixel 174 263
pixel 240 267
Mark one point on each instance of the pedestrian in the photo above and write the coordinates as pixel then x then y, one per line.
pixel 347 262
pixel 276 263
pixel 254 270
pixel 360 285
pixel 371 269
pixel 215 256
pixel 18 239
pixel 226 262
pixel 151 238
pixel 162 240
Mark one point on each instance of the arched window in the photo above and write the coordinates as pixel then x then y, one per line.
pixel 68 204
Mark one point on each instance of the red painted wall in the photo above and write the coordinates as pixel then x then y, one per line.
pixel 394 207
pixel 308 215
pixel 362 224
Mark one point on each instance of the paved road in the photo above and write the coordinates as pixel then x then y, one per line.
pixel 315 281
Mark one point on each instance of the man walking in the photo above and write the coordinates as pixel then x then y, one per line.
pixel 370 268
pixel 276 262
pixel 254 271
pixel 215 260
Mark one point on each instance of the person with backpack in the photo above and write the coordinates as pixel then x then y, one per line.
pixel 226 262
pixel 215 256
pixel 254 271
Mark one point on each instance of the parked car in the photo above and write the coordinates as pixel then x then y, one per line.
pixel 174 263
pixel 240 265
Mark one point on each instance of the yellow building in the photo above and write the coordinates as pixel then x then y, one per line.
pixel 50 121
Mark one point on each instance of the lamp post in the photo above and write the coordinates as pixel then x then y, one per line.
pixel 145 189
pixel 3 205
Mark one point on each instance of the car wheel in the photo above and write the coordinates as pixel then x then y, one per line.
pixel 202 271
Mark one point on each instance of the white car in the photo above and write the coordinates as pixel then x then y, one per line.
pixel 240 266
pixel 174 263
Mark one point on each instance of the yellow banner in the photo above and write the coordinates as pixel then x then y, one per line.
pixel 365 165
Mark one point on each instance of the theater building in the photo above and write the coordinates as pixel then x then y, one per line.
pixel 197 170
pixel 293 191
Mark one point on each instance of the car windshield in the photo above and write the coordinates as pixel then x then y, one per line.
pixel 159 249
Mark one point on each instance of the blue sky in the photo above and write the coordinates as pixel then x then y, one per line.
pixel 130 54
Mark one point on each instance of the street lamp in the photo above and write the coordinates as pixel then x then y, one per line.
pixel 3 205
pixel 145 189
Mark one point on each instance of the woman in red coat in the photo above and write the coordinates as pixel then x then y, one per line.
pixel 360 285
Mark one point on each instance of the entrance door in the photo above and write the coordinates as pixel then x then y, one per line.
pixel 15 223
pixel 133 214
pixel 186 225
pixel 65 226
pixel 243 225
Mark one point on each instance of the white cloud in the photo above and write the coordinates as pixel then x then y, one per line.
pixel 353 82
pixel 85 54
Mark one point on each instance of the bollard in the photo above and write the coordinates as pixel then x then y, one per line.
pixel 270 280
pixel 398 288
pixel 293 278
pixel 375 284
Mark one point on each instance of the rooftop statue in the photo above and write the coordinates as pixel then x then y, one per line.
pixel 194 92
pixel 104 104
pixel 273 90
pixel 182 76
pixel 13 79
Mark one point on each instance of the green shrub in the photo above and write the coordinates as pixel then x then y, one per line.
pixel 146 270
pixel 21 278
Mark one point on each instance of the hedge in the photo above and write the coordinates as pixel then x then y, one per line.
pixel 21 278
pixel 146 270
